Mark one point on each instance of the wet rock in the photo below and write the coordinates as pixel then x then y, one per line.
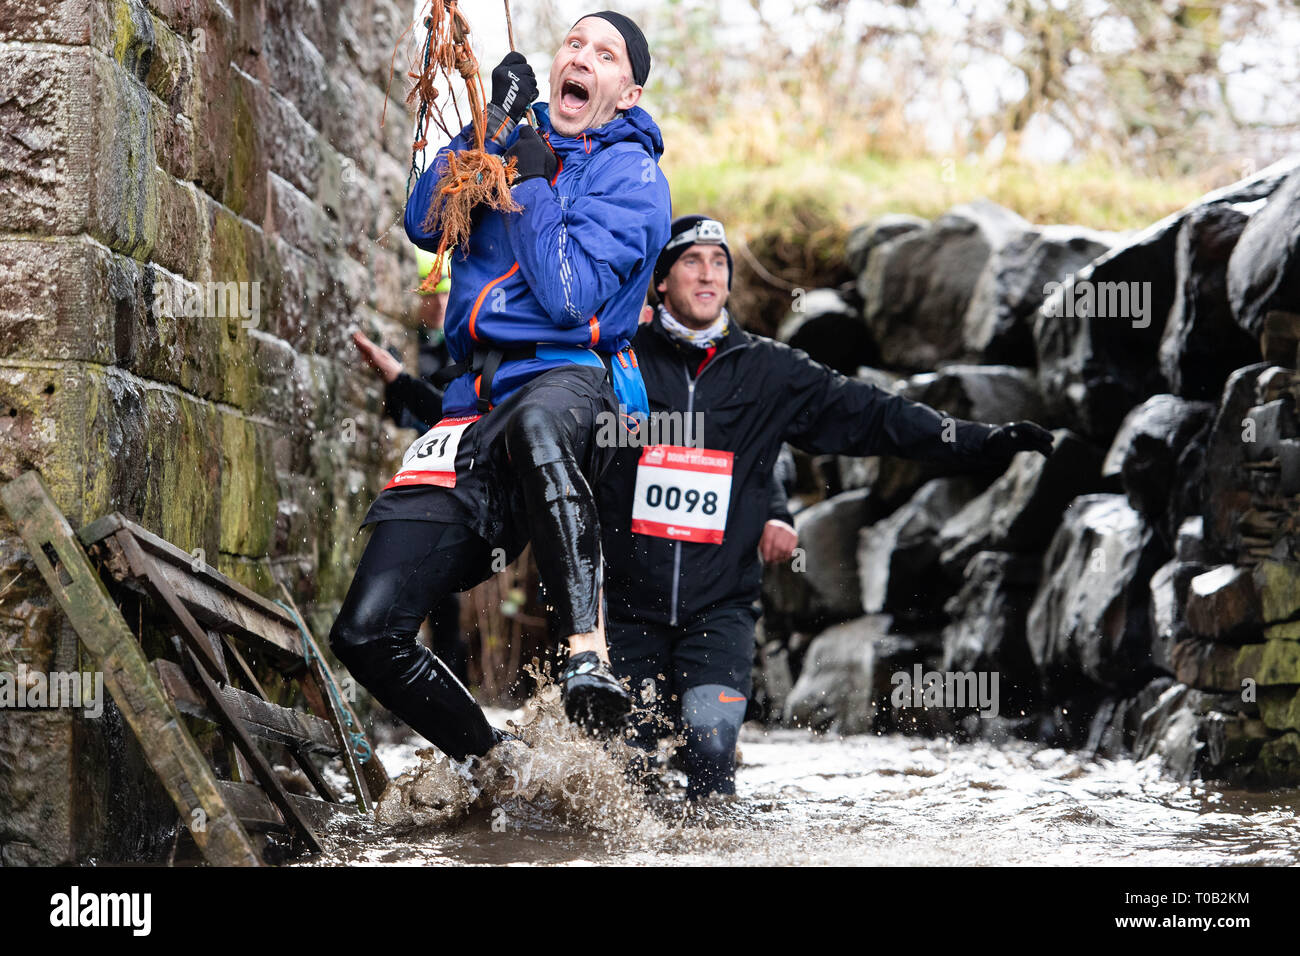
pixel 774 680
pixel 1202 343
pixel 233 150
pixel 1226 497
pixel 1286 631
pixel 845 676
pixel 182 228
pixel 1192 737
pixel 299 154
pixel 1115 726
pixel 36 828
pixel 1207 665
pixel 893 481
pixel 1157 455
pixel 821 584
pixel 65 22
pixel 65 299
pixel 1169 589
pixel 829 329
pixel 149 140
pixel 1264 271
pixel 44 188
pixel 918 286
pixel 1189 544
pixel 1089 620
pixel 297 69
pixel 1222 603
pixel 1279 708
pixel 865 238
pixel 1278 586
pixel 987 631
pixel 1001 729
pixel 998 325
pixel 1098 335
pixel 982 393
pixel 1020 510
pixel 1280 340
pixel 1271 663
pixel 1278 763
pixel 898 555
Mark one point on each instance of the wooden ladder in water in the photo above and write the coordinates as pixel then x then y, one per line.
pixel 221 625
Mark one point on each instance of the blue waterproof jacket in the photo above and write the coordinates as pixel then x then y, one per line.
pixel 571 269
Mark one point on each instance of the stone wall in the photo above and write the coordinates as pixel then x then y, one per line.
pixel 151 149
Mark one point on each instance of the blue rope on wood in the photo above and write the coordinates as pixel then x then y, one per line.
pixel 360 745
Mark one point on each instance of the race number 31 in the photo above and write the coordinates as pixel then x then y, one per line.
pixel 682 493
pixel 431 459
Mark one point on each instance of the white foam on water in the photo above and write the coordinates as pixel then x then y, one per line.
pixel 562 798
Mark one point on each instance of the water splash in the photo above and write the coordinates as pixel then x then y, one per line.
pixel 555 776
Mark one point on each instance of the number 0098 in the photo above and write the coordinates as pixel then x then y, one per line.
pixel 673 498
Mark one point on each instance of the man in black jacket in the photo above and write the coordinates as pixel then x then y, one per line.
pixel 681 525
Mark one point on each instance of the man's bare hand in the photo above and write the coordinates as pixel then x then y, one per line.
pixel 778 542
pixel 378 358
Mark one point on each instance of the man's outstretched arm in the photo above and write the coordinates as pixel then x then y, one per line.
pixel 833 414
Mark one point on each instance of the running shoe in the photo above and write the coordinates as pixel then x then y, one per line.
pixel 593 697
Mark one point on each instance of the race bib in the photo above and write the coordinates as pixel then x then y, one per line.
pixel 682 493
pixel 431 459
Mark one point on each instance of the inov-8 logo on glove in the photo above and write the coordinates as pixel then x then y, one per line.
pixel 682 493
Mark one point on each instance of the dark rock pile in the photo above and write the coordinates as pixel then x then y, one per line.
pixel 1139 592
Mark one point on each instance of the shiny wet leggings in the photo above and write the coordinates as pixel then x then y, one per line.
pixel 408 567
pixel 545 444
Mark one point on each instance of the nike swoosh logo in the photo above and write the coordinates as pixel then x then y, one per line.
pixel 727 700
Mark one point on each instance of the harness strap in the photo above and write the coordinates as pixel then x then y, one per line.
pixel 486 362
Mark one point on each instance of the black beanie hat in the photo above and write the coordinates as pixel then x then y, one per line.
pixel 638 51
pixel 671 253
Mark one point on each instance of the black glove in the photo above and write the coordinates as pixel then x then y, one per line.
pixel 514 86
pixel 1005 440
pixel 533 157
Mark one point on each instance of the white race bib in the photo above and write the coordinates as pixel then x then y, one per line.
pixel 682 493
pixel 431 459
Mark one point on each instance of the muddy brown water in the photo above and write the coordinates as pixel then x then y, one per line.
pixel 802 798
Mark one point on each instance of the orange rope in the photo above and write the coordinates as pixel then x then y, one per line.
pixel 472 177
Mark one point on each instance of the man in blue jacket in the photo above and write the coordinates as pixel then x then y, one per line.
pixel 542 306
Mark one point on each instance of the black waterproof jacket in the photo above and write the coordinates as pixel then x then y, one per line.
pixel 754 394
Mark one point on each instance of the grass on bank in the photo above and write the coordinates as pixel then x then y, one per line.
pixel 851 191
pixel 792 208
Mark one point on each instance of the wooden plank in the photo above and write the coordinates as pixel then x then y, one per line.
pixel 108 640
pixel 215 601
pixel 261 718
pixel 258 814
pixel 162 548
pixel 299 753
pixel 227 606
pixel 194 638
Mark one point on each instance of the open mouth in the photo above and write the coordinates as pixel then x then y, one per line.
pixel 573 96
